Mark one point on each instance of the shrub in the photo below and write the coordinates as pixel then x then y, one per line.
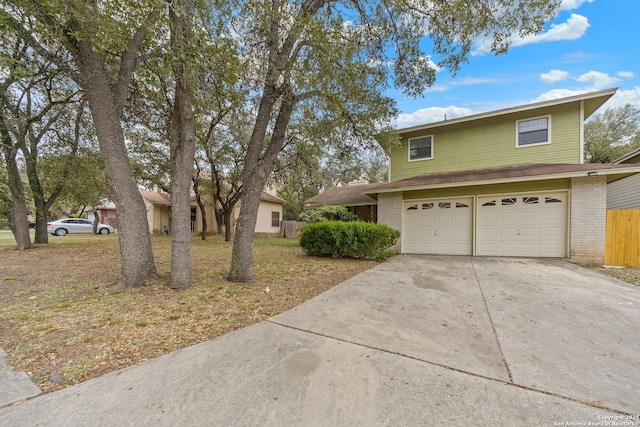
pixel 356 239
pixel 328 213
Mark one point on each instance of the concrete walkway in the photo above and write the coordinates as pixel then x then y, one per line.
pixel 14 386
pixel 419 340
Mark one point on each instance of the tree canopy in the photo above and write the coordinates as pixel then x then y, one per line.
pixel 611 134
pixel 299 70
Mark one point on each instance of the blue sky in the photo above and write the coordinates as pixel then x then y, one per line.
pixel 590 45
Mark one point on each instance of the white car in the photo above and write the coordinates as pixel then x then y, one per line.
pixel 76 226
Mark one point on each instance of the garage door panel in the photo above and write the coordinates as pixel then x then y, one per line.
pixel 531 233
pixel 523 225
pixel 531 216
pixel 438 226
pixel 507 233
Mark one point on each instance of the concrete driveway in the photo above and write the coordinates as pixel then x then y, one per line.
pixel 418 340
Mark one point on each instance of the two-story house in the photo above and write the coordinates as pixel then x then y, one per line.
pixel 510 182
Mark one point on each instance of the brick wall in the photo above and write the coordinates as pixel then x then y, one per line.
pixel 390 213
pixel 588 219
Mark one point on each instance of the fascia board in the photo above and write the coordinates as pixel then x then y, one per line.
pixel 623 172
pixel 537 105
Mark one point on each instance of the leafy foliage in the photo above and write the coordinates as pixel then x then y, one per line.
pixel 357 239
pixel 612 134
pixel 328 213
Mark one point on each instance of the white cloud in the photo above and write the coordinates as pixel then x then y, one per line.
pixel 598 80
pixel 554 76
pixel 595 80
pixel 469 81
pixel 626 74
pixel 573 4
pixel 431 115
pixel 574 28
pixel 558 93
pixel 623 97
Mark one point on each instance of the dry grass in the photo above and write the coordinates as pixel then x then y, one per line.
pixel 61 325
pixel 629 275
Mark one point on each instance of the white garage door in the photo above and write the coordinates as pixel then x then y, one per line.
pixel 523 225
pixel 438 226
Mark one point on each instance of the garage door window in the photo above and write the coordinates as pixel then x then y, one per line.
pixel 412 208
pixel 489 203
pixel 552 200
pixel 530 200
pixel 427 206
pixel 510 201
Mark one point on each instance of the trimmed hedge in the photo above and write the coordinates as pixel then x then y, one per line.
pixel 357 239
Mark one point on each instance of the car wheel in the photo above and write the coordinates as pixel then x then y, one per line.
pixel 60 232
pixel 104 231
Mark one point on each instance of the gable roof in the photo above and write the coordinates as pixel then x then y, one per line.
pixel 592 101
pixel 156 198
pixel 632 156
pixel 506 174
pixel 350 195
pixel 271 198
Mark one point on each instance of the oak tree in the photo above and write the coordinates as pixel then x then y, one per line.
pixel 332 60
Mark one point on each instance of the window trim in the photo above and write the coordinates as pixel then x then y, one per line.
pixel 535 144
pixel 409 148
pixel 274 219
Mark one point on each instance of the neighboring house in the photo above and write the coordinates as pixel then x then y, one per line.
pixel 268 221
pixel 510 182
pixel 625 193
pixel 352 197
pixel 158 205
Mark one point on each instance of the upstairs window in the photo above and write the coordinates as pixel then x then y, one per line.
pixel 533 132
pixel 421 148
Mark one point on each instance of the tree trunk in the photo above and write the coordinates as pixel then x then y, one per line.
pixel 242 254
pixel 42 209
pixel 20 226
pixel 227 225
pixel 219 213
pixel 203 213
pixel 183 146
pixel 42 213
pixel 20 222
pixel 136 254
pixel 257 168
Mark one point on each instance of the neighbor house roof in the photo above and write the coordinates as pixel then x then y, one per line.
pixel 271 198
pixel 351 195
pixel 632 156
pixel 591 102
pixel 164 199
pixel 507 174
pixel 156 198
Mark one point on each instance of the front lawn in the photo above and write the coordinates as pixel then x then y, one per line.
pixel 61 324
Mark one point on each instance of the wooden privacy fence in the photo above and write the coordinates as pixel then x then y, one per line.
pixel 623 238
pixel 290 229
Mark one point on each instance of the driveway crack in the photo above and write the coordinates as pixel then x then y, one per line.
pixel 493 326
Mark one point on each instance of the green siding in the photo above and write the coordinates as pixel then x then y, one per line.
pixel 516 187
pixel 491 142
